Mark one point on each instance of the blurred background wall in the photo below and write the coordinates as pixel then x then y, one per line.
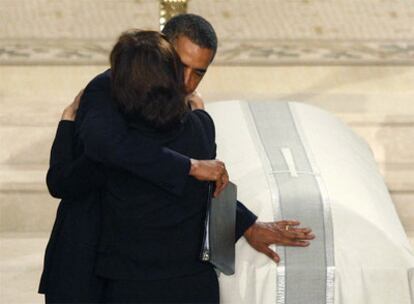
pixel 354 58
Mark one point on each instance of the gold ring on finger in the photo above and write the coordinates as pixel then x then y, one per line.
pixel 287 227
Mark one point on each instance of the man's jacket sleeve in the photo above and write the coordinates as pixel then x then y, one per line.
pixel 244 219
pixel 68 177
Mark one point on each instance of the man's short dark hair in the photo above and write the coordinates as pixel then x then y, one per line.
pixel 194 27
pixel 147 79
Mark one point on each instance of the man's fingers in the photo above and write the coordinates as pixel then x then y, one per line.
pixel 220 163
pixel 305 236
pixel 291 234
pixel 296 243
pixel 271 254
pixel 221 186
pixel 225 177
pixel 208 170
pixel 290 222
pixel 218 187
pixel 222 180
pixel 303 230
pixel 300 232
pixel 218 169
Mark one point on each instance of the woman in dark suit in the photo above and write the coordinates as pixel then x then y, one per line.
pixel 150 239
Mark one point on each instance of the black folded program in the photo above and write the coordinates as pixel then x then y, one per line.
pixel 219 232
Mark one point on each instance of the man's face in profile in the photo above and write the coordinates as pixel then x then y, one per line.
pixel 195 60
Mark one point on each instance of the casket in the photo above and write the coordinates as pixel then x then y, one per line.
pixel 295 161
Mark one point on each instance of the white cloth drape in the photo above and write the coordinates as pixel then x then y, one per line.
pixel 374 262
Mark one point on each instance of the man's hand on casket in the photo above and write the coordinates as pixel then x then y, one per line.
pixel 260 235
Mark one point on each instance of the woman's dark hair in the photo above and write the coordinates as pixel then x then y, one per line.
pixel 147 79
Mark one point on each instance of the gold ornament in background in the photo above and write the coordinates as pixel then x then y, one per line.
pixel 170 8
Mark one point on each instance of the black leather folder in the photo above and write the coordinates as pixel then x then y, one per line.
pixel 219 234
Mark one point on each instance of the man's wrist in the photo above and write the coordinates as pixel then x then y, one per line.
pixel 194 165
pixel 249 231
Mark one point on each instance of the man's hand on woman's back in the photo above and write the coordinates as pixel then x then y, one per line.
pixel 210 170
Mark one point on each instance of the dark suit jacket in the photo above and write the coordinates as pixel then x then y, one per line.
pixel 147 232
pixel 101 136
pixel 68 268
pixel 106 138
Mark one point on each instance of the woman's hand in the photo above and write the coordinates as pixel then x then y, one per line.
pixel 70 111
pixel 195 101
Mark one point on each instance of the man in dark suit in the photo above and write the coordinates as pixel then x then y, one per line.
pixel 106 138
